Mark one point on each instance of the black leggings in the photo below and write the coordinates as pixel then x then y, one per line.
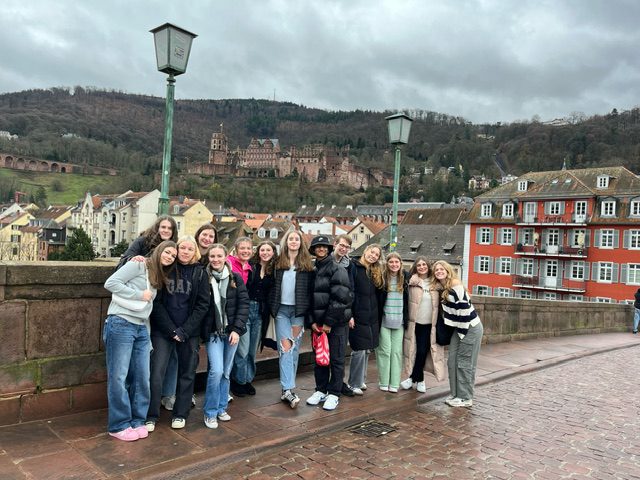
pixel 423 334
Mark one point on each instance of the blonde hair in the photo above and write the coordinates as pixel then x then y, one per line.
pixel 447 285
pixel 196 254
pixel 388 275
pixel 374 270
pixel 214 246
pixel 302 262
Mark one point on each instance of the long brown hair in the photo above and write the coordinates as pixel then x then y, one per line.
pixel 151 236
pixel 158 273
pixel 388 276
pixel 374 270
pixel 302 262
pixel 255 259
pixel 414 268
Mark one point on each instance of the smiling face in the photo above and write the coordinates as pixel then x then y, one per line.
pixel 206 238
pixel 168 256
pixel 394 265
pixel 266 253
pixel 321 251
pixel 293 242
pixel 372 255
pixel 165 230
pixel 422 268
pixel 217 259
pixel 186 252
pixel 440 272
pixel 244 250
pixel 341 248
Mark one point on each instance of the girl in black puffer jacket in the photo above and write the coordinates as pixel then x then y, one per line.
pixel 221 331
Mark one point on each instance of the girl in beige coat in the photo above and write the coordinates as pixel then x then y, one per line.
pixel 420 335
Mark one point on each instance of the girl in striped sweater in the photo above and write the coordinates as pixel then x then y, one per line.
pixel 458 313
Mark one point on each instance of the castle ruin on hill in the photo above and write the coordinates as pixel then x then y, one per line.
pixel 264 158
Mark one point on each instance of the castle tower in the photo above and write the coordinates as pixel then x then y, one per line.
pixel 219 149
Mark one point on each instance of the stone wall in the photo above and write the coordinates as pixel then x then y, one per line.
pixel 51 315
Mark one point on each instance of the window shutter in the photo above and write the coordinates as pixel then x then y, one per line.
pixel 535 268
pixel 489 291
pixel 478 234
pixel 587 238
pixel 616 238
pixel 513 266
pixel 623 273
pixel 476 264
pixel 498 261
pixel 490 265
pixel 594 271
pixel 566 270
pixel 626 239
pixel 547 206
pixel 562 208
pixel 500 234
pixel 596 242
pixel 491 236
pixel 586 270
pixel 614 273
pixel 474 290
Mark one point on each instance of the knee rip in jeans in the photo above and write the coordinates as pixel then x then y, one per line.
pixel 286 344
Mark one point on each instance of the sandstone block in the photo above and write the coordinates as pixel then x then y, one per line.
pixel 36 406
pixel 59 373
pixel 9 410
pixel 89 397
pixel 12 332
pixel 18 378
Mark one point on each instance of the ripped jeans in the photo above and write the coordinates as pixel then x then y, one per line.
pixel 286 321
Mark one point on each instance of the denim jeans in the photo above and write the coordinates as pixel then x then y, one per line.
pixel 358 368
pixel 128 349
pixel 220 354
pixel 389 356
pixel 636 319
pixel 244 363
pixel 329 379
pixel 171 376
pixel 288 360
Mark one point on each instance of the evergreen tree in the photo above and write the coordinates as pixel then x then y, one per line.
pixel 78 247
pixel 119 248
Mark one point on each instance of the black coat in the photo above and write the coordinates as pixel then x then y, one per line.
pixel 304 285
pixel 138 247
pixel 236 306
pixel 366 310
pixel 332 295
pixel 161 323
pixel 405 301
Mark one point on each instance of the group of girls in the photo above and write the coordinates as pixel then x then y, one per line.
pixel 395 313
pixel 193 291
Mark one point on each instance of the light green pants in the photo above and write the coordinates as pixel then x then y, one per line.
pixel 389 356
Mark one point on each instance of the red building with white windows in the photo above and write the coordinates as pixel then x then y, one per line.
pixel 561 235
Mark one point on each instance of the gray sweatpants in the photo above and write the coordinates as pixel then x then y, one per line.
pixel 463 358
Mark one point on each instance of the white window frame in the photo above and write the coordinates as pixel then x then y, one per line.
pixel 576 298
pixel 554 208
pixel 608 208
pixel 602 300
pixel 634 208
pixel 633 269
pixel 553 237
pixel 526 294
pixel 550 296
pixel 485 210
pixel 606 238
pixel 484 263
pixel 504 266
pixel 634 239
pixel 262 232
pixel 506 238
pixel 482 290
pixel 605 272
pixel 602 181
pixel 578 269
pixel 580 208
pixel 575 235
pixel 485 236
pixel 526 268
pixel 273 233
pixel 522 185
pixel 503 292
pixel 507 210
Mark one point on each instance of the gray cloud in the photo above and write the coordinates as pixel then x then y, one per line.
pixel 486 60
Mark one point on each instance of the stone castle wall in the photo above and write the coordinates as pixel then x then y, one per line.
pixel 52 358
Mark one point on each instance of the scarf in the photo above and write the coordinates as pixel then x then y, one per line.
pixel 219 285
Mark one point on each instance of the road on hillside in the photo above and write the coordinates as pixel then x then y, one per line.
pixel 579 420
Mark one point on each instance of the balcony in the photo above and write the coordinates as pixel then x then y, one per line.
pixel 553 220
pixel 549 283
pixel 560 251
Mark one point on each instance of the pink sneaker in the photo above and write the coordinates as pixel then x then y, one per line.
pixel 141 431
pixel 126 435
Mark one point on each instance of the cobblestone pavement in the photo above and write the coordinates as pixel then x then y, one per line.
pixel 578 420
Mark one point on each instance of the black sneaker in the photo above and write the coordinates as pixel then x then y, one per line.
pixel 250 389
pixel 291 398
pixel 237 389
pixel 346 391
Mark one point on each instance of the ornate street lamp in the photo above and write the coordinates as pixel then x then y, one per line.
pixel 399 127
pixel 173 45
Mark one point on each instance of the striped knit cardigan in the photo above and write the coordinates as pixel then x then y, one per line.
pixel 458 311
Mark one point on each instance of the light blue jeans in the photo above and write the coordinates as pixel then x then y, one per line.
pixel 288 359
pixel 220 354
pixel 244 363
pixel 636 319
pixel 128 351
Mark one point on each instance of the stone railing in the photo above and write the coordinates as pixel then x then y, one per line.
pixel 51 315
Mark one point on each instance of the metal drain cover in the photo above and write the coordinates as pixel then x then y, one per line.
pixel 372 428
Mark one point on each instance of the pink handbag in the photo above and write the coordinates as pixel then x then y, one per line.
pixel 320 344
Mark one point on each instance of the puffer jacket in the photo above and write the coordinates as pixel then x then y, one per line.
pixel 236 306
pixel 331 294
pixel 366 310
pixel 304 284
pixel 435 360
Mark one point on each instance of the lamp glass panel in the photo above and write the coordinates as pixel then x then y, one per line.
pixel 394 130
pixel 179 46
pixel 161 40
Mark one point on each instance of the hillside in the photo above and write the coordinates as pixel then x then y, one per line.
pixel 124 131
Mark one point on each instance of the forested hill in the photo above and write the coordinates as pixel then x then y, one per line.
pixel 116 129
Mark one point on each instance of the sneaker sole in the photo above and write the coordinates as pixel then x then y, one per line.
pixel 294 403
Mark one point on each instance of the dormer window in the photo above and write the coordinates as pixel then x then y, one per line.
pixel 507 210
pixel 522 185
pixel 261 232
pixel 176 209
pixel 608 208
pixel 485 210
pixel 603 181
pixel 634 208
pixel 273 233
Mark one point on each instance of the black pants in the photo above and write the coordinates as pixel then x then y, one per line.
pixel 423 335
pixel 187 353
pixel 329 379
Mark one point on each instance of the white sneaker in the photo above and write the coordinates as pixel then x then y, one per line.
pixel 224 417
pixel 211 422
pixel 331 402
pixel 406 384
pixel 355 390
pixel 168 402
pixel 193 400
pixel 291 398
pixel 150 425
pixel 316 398
pixel 393 389
pixel 178 423
pixel 230 399
pixel 422 387
pixel 459 402
pixel 448 399
pixel 384 388
pixel 363 386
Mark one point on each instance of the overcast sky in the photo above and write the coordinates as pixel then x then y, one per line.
pixel 485 60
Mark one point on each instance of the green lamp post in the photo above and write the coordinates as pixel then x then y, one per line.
pixel 173 45
pixel 399 126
